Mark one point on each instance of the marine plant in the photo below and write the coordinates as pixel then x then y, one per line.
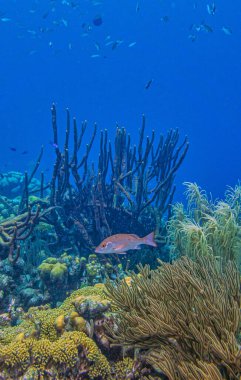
pixel 206 226
pixel 184 317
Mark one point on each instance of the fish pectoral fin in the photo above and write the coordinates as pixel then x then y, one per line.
pixel 121 253
pixel 119 246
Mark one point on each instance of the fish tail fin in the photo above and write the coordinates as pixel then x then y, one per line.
pixel 149 239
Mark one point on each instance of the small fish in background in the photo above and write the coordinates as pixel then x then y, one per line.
pixel 32 52
pixel 95 56
pixel 165 19
pixel 211 8
pixel 132 44
pixel 64 22
pixel 13 149
pixel 207 28
pixel 45 15
pixel 227 31
pixel 5 19
pixel 192 37
pixel 32 32
pixel 195 27
pixel 137 7
pixel 97 46
pixel 121 243
pixel 97 20
pixel 148 84
pixel 24 152
pixel 114 44
pixel 53 144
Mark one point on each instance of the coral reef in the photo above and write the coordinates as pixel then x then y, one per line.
pixel 11 184
pixel 207 227
pixel 54 344
pixel 118 196
pixel 179 321
pixel 184 316
pixel 32 281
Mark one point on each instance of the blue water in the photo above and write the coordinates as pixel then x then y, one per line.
pixel 46 55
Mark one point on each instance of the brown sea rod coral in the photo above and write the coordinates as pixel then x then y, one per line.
pixel 183 316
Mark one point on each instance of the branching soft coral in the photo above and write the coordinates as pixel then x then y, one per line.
pixel 185 317
pixel 207 227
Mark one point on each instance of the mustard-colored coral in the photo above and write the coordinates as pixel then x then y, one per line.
pixel 60 323
pixel 65 350
pixel 88 291
pixel 79 323
pixel 15 355
pixel 41 342
pixel 123 368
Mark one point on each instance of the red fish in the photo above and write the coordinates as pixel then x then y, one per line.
pixel 121 243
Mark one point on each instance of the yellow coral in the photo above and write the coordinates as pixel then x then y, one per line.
pixel 123 368
pixel 16 355
pixel 100 286
pixel 73 315
pixel 128 280
pixel 88 292
pixel 60 322
pixel 65 350
pixel 20 337
pixel 79 323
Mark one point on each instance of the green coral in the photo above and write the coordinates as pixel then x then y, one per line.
pixel 49 260
pixel 207 227
pixel 51 269
pixel 58 272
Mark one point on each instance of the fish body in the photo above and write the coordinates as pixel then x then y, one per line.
pixel 121 243
pixel 148 84
pixel 211 8
pixel 227 30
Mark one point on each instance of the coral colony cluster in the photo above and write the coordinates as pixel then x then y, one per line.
pixel 171 312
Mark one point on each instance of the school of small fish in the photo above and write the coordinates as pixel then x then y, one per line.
pixel 50 23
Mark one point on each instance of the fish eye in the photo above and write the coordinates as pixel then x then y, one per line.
pixel 103 245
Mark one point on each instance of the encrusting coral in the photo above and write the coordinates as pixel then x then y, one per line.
pixel 184 317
